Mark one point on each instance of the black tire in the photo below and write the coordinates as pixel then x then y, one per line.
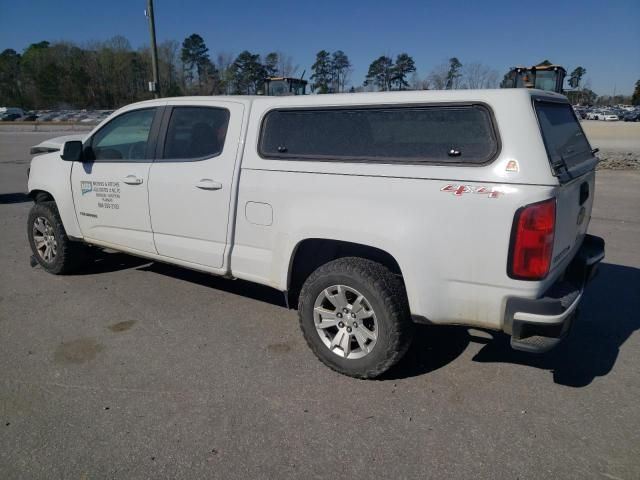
pixel 386 295
pixel 69 254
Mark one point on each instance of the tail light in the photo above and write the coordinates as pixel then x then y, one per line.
pixel 532 241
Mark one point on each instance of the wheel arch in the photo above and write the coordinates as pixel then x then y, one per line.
pixel 311 253
pixel 64 204
pixel 39 196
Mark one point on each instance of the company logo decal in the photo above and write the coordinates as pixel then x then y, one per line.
pixel 459 190
pixel 86 187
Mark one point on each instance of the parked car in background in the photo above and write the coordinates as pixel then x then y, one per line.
pixel 47 117
pixel 606 115
pixel 87 117
pixel 632 117
pixel 10 117
pixel 62 118
pixel 7 110
pixel 28 117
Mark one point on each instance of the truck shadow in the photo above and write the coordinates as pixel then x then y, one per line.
pixel 105 262
pixel 608 317
pixel 7 198
pixel 433 347
pixel 255 291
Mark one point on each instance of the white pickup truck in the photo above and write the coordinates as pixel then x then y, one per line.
pixel 369 211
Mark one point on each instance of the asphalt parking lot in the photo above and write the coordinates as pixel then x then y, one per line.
pixel 134 369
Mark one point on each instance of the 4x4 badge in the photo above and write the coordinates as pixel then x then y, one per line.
pixel 459 190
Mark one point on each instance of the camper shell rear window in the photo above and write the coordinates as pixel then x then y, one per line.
pixel 567 146
pixel 433 134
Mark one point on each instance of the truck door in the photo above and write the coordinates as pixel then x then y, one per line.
pixel 110 188
pixel 191 179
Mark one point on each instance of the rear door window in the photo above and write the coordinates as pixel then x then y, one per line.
pixel 564 139
pixel 462 134
pixel 195 133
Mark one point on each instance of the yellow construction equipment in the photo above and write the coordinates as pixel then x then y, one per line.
pixel 280 86
pixel 545 76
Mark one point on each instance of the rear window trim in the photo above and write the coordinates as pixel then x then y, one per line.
pixel 388 160
pixel 568 174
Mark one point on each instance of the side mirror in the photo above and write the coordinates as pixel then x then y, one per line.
pixel 72 151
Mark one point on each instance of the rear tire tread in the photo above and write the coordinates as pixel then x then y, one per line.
pixel 392 295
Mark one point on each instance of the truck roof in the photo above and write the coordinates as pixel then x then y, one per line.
pixel 373 98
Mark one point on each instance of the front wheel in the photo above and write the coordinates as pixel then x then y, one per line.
pixel 355 317
pixel 49 242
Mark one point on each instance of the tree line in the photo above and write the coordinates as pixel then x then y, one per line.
pixel 109 74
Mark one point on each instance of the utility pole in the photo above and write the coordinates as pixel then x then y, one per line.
pixel 155 85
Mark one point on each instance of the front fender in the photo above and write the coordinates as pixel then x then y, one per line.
pixel 49 173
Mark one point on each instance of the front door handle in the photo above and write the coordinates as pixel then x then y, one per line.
pixel 208 184
pixel 132 180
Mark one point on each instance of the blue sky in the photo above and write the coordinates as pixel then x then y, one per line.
pixel 602 36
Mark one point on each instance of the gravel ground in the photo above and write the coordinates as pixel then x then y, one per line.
pixel 618 161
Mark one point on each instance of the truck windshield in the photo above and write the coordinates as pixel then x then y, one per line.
pixel 563 137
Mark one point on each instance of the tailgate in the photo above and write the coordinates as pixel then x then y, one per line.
pixel 573 163
pixel 574 201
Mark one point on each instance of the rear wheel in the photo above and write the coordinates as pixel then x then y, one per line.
pixel 49 242
pixel 355 317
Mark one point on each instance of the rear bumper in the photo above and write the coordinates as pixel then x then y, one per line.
pixel 537 325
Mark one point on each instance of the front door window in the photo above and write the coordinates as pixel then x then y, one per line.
pixel 124 138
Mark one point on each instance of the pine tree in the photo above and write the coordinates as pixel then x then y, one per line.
pixel 576 76
pixel 340 66
pixel 248 73
pixel 454 73
pixel 380 74
pixel 195 58
pixel 271 62
pixel 322 72
pixel 635 99
pixel 404 66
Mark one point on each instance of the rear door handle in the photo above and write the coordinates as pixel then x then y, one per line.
pixel 208 184
pixel 132 180
pixel 584 193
